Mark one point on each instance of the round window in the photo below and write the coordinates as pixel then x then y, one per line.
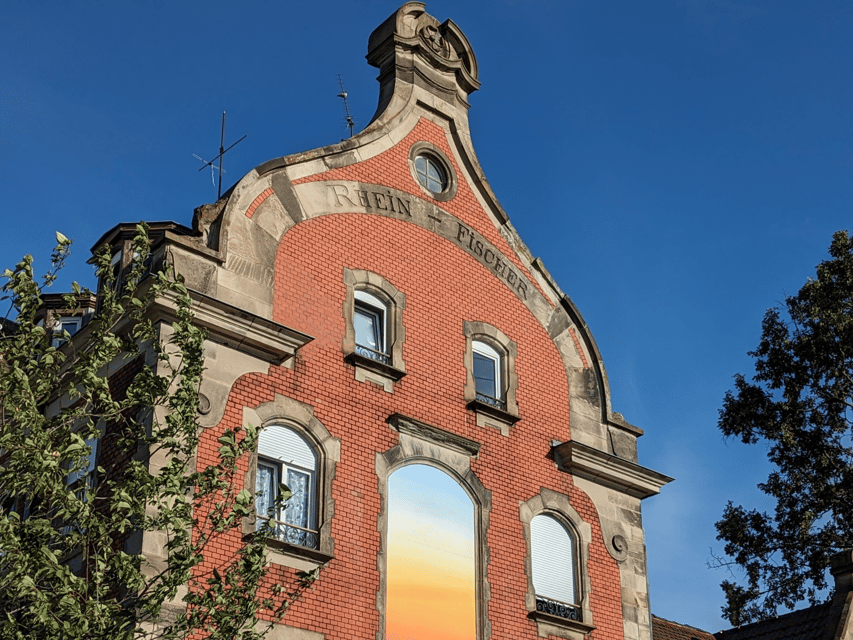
pixel 431 173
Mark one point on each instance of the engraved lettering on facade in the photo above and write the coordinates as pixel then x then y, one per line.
pixel 379 199
pixel 466 238
pixel 339 195
pixel 370 200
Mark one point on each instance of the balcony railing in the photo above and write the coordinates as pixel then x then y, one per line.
pixel 291 533
pixel 559 609
pixel 379 356
pixel 492 402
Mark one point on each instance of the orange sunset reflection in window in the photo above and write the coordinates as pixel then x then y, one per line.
pixel 430 557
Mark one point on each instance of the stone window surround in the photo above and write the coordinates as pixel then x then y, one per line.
pixel 488 415
pixel 431 151
pixel 421 443
pixel 558 506
pixel 395 301
pixel 298 416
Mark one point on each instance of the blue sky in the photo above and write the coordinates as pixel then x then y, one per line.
pixel 679 166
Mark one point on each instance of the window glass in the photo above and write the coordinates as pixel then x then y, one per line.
pixel 431 567
pixel 285 456
pixel 430 173
pixel 553 558
pixel 88 466
pixel 370 327
pixel 487 372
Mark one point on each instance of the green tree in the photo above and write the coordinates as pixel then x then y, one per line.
pixel 67 569
pixel 799 405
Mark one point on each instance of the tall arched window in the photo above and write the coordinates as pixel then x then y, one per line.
pixel 553 551
pixel 286 457
pixel 431 568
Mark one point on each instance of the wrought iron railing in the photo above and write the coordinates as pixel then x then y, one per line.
pixel 559 609
pixel 291 533
pixel 379 356
pixel 492 402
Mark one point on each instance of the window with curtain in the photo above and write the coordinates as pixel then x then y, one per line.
pixel 286 458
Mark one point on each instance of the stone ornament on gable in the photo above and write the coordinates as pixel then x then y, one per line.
pixel 434 40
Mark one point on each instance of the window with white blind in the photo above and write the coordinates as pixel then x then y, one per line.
pixel 285 458
pixel 553 550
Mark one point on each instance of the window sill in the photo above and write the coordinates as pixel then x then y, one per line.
pixel 291 555
pixel 548 624
pixel 490 416
pixel 369 370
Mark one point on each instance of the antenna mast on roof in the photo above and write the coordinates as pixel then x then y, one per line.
pixel 350 123
pixel 222 151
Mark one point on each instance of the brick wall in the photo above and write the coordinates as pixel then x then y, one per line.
pixel 443 286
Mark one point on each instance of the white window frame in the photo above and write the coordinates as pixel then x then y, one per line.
pixel 282 463
pixel 553 616
pixel 371 306
pixel 487 351
pixel 553 556
pixel 59 324
pixel 372 293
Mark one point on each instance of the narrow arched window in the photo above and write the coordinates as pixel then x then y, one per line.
pixel 286 458
pixel 370 322
pixel 431 562
pixel 553 550
pixel 488 378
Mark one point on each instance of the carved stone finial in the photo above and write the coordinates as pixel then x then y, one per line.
pixel 412 49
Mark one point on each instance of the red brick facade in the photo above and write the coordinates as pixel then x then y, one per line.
pixel 278 255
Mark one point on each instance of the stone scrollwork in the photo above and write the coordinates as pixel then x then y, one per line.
pixel 619 547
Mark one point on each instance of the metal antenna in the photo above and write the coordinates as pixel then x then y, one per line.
pixel 222 152
pixel 350 123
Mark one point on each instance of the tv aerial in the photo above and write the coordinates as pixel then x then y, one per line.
pixel 350 122
pixel 222 152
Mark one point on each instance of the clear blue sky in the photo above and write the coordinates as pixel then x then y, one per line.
pixel 679 165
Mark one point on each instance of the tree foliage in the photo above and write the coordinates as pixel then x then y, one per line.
pixel 70 565
pixel 800 405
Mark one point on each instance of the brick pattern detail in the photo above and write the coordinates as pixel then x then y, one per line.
pixel 266 193
pixel 578 347
pixel 444 287
pixel 391 168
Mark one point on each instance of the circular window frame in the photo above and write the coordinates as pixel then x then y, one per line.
pixel 431 152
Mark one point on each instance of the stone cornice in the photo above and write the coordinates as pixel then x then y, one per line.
pixel 424 431
pixel 610 470
pixel 236 328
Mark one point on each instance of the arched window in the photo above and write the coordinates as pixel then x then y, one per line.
pixel 286 458
pixel 553 550
pixel 491 381
pixel 370 322
pixel 374 331
pixel 488 380
pixel 431 570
